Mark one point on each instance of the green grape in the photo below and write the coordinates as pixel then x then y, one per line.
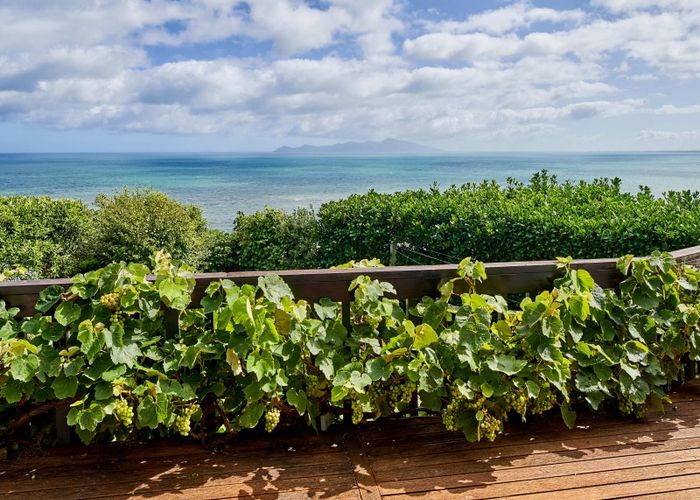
pixel 517 401
pixel 116 319
pixel 315 386
pixel 400 393
pixel 357 412
pixel 183 420
pixel 545 401
pixel 272 418
pixel 407 390
pixel 490 426
pixel 451 412
pixel 124 412
pixel 182 424
pixel 627 407
pixel 110 301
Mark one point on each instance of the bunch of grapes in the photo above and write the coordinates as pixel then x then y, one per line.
pixel 272 418
pixel 357 412
pixel 110 301
pixel 457 405
pixel 182 421
pixel 490 426
pixel 627 407
pixel 517 401
pixel 451 412
pixel 545 401
pixel 124 412
pixel 315 386
pixel 401 393
pixel 117 319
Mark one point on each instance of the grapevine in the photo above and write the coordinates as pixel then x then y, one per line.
pixel 243 347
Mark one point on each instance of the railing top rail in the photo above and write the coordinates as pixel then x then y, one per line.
pixel 411 282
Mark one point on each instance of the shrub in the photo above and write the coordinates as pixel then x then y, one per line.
pixel 45 235
pixel 255 354
pixel 275 239
pixel 533 221
pixel 220 252
pixel 131 225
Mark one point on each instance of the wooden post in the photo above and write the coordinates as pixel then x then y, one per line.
pixel 62 429
pixel 392 253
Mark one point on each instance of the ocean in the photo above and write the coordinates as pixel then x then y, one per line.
pixel 223 184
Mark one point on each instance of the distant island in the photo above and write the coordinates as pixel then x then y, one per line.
pixel 385 147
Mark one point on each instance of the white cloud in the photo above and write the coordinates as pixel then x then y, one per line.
pixel 337 69
pixel 666 135
pixel 521 14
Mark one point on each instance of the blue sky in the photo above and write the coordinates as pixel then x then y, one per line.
pixel 227 75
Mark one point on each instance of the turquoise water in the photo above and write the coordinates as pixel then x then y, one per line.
pixel 225 184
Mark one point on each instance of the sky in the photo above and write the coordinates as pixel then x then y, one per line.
pixel 237 76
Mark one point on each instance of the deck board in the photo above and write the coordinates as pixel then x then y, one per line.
pixel 604 457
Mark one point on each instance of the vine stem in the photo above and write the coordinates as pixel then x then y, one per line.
pixel 223 416
pixel 38 410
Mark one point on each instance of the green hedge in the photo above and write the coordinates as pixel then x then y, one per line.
pixel 46 236
pixel 255 354
pixel 517 221
pixel 132 225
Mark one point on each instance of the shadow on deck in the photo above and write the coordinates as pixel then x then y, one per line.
pixel 604 457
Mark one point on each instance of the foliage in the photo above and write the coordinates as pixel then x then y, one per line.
pixel 220 252
pixel 44 235
pixel 537 220
pixel 135 358
pixel 132 225
pixel 518 221
pixel 275 239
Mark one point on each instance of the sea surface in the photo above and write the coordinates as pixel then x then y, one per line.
pixel 223 184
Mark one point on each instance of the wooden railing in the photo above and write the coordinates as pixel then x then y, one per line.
pixel 411 282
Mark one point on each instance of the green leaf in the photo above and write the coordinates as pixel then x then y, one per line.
pixel 126 355
pixel 89 418
pixel 234 361
pixel 636 351
pixel 297 399
pixel 274 288
pixel 261 363
pixel 65 387
pixel 579 307
pixel 251 415
pixel 584 281
pixel 48 297
pixel 12 391
pixel 378 369
pixel 67 312
pixel 24 368
pixel 147 413
pixel 506 364
pixel 645 301
pixel 568 416
pixel 423 336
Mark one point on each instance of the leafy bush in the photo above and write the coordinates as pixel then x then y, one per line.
pixel 220 252
pixel 275 239
pixel 132 225
pixel 44 235
pixel 132 360
pixel 538 220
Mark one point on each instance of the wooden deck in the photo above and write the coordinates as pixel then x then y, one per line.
pixel 604 457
